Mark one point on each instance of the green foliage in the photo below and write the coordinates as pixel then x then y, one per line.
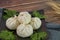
pixel 37 14
pixel 7 35
pixel 9 13
pixel 39 36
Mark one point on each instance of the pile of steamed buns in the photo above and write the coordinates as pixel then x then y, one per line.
pixel 24 24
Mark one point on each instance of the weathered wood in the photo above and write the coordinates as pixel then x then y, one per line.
pixel 23 5
pixel 5 3
pixel 29 7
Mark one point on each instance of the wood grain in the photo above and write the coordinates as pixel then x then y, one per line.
pixel 23 5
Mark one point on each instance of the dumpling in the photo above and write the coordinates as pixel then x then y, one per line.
pixel 24 30
pixel 12 23
pixel 36 23
pixel 24 17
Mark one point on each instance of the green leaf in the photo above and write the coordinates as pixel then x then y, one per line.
pixel 37 14
pixel 34 36
pixel 38 36
pixel 9 13
pixel 7 35
pixel 6 17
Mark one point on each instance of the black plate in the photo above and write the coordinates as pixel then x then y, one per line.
pixel 3 26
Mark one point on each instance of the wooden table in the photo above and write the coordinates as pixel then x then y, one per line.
pixel 23 5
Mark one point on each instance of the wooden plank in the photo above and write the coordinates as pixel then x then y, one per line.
pixel 7 3
pixel 23 5
pixel 30 7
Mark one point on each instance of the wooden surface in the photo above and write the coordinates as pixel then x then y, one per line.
pixel 23 5
pixel 9 3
